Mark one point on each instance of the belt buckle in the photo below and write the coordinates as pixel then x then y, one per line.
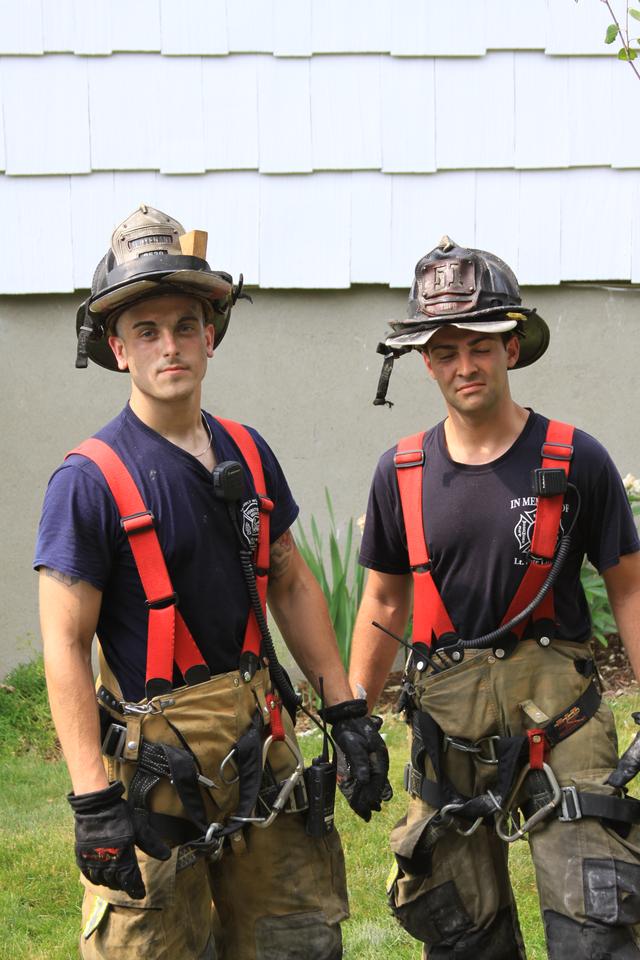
pixel 570 808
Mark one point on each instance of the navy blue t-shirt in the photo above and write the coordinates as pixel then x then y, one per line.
pixel 80 535
pixel 478 522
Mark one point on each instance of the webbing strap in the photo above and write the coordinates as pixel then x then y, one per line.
pixel 430 615
pixel 557 451
pixel 247 445
pixel 168 635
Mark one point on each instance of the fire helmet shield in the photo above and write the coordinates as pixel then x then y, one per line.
pixel 145 260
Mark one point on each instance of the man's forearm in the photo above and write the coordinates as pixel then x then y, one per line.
pixel 372 652
pixel 303 620
pixel 623 587
pixel 75 714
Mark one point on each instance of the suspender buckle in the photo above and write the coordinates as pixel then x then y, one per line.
pixel 137 522
pixel 162 602
pixel 556 451
pixel 408 458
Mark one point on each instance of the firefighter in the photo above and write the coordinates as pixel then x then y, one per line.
pixel 478 526
pixel 165 534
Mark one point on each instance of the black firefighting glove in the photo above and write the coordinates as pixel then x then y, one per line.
pixel 629 762
pixel 106 831
pixel 363 758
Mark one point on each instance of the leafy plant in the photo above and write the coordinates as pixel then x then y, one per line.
pixel 618 31
pixel 602 619
pixel 338 573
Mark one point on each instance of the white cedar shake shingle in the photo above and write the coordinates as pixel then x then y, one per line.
pixel 427 28
pixel 345 113
pixel 58 26
pixel 21 27
pixel 304 231
pixel 42 261
pixel 226 205
pixel 497 221
pixel 359 26
pixel 117 86
pixel 230 112
pixel 631 178
pixel 92 27
pixel 590 110
pixel 90 234
pixel 541 111
pixel 596 226
pixel 135 26
pixel 132 189
pixel 46 115
pixel 181 140
pixel 516 26
pixel 478 130
pixel 2 137
pixel 580 28
pixel 623 129
pixel 284 115
pixel 250 26
pixel 370 228
pixel 539 216
pixel 196 27
pixel 423 208
pixel 292 28
pixel 408 114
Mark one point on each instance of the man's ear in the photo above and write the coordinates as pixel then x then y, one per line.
pixel 117 345
pixel 209 338
pixel 513 351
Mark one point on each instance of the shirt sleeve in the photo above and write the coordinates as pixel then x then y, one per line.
pixel 611 531
pixel 384 541
pixel 285 508
pixel 79 525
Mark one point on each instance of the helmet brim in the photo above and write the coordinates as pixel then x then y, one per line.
pixel 533 332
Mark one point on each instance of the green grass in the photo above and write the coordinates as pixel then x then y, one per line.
pixel 40 894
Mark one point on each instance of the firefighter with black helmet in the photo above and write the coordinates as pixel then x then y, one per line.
pixel 198 832
pixel 479 526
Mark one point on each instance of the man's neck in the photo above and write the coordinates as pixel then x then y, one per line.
pixel 179 421
pixel 482 438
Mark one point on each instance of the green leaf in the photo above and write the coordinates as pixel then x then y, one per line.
pixel 612 33
pixel 629 54
pixel 634 13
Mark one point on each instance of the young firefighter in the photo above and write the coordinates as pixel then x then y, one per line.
pixel 486 517
pixel 165 534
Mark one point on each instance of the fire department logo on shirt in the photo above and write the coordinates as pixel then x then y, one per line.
pixel 524 529
pixel 250 522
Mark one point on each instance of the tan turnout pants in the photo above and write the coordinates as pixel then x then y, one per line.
pixel 458 900
pixel 276 894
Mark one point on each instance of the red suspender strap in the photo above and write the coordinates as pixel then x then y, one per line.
pixel 247 446
pixel 557 451
pixel 168 635
pixel 430 616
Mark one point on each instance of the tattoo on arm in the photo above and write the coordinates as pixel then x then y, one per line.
pixel 280 555
pixel 63 578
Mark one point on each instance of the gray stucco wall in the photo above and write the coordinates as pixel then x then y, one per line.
pixel 302 368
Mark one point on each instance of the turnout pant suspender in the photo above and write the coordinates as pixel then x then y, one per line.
pixel 431 620
pixel 168 637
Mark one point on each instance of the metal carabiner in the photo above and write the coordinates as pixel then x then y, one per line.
pixel 490 740
pixel 287 787
pixel 536 817
pixel 143 709
pixel 229 757
pixel 448 811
